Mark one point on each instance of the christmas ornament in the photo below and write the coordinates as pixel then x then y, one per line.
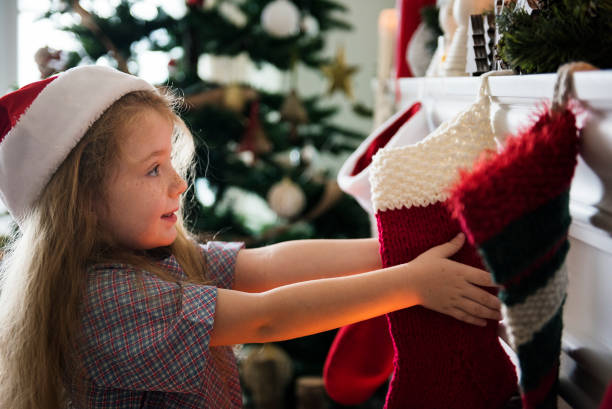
pixel 339 74
pixel 195 3
pixel 233 14
pixel 234 97
pixel 49 61
pixel 409 193
pixel 409 20
pixel 266 371
pixel 308 154
pixel 286 198
pixel 254 139
pixel 456 56
pixel 514 207
pixel 287 159
pixel 310 25
pixel 448 25
pixel 172 67
pixel 281 19
pixel 418 56
pixel 293 111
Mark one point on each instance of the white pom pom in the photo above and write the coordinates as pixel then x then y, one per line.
pixel 286 198
pixel 281 18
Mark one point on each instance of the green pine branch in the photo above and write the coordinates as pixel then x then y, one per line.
pixel 568 30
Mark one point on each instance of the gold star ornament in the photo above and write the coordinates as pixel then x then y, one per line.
pixel 339 74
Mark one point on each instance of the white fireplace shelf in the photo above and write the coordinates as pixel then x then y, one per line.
pixel 587 340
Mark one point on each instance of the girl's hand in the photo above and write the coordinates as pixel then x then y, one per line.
pixel 451 288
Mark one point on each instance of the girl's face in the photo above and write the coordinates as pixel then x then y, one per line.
pixel 143 189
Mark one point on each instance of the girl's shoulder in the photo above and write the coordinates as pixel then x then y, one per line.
pixel 220 259
pixel 218 252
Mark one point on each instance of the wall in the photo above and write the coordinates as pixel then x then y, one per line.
pixel 8 45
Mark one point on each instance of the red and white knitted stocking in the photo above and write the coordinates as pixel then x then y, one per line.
pixel 360 359
pixel 440 362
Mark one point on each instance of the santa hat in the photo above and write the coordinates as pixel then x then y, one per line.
pixel 41 123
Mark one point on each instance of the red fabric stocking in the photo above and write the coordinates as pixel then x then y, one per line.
pixel 440 362
pixel 360 360
pixel 409 20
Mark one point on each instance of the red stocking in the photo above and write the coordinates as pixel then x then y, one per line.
pixel 439 362
pixel 361 358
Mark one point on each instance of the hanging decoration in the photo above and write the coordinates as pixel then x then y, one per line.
pixel 514 207
pixel 195 3
pixel 234 97
pixel 310 26
pixel 50 61
pixel 308 154
pixel 409 19
pixel 286 198
pixel 293 111
pixel 339 74
pixel 254 139
pixel 172 67
pixel 280 19
pixel 267 370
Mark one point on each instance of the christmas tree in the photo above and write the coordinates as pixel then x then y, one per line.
pixel 266 159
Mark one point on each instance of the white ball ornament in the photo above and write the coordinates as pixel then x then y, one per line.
pixel 281 19
pixel 286 198
pixel 310 25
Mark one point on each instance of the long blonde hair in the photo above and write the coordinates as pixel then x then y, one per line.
pixel 43 270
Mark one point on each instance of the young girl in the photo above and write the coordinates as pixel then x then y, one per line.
pixel 105 300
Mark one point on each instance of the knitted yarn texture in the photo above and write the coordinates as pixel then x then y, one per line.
pixel 360 359
pixel 439 362
pixel 515 208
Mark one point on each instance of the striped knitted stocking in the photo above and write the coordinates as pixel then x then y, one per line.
pixel 515 208
pixel 439 362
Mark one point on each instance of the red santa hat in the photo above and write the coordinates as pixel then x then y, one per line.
pixel 41 122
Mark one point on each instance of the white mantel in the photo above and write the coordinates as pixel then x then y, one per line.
pixel 587 340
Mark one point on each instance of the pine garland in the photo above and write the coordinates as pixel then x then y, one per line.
pixel 563 31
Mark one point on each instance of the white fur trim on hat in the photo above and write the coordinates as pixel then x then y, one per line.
pixel 54 123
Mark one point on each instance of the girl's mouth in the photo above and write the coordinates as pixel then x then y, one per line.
pixel 171 217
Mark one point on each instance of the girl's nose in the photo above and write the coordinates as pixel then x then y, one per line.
pixel 178 185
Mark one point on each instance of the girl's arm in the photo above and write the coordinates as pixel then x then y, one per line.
pixel 305 308
pixel 290 262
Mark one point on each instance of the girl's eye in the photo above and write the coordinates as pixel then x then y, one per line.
pixel 154 171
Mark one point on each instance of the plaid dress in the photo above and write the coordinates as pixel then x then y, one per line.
pixel 149 349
